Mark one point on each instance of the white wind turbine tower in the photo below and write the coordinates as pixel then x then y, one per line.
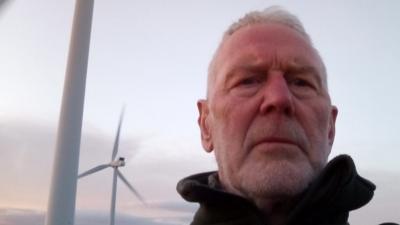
pixel 61 202
pixel 115 163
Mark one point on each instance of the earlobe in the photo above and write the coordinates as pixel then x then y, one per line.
pixel 204 125
pixel 332 124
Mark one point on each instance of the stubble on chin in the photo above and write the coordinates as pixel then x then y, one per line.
pixel 274 180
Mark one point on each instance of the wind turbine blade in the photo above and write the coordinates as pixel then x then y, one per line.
pixel 114 193
pixel 3 3
pixel 130 187
pixel 116 141
pixel 93 170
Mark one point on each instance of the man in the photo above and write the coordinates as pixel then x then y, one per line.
pixel 269 120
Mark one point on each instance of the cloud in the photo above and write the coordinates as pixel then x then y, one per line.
pixel 20 217
pixel 9 216
pixel 27 154
pixel 25 161
pixel 154 165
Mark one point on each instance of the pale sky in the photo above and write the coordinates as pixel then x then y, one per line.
pixel 153 57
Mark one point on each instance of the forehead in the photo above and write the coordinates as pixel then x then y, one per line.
pixel 266 44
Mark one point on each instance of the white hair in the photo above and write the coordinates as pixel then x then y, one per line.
pixel 274 15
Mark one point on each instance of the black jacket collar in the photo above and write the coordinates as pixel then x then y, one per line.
pixel 328 200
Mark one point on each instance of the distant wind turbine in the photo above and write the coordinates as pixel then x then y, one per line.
pixel 115 163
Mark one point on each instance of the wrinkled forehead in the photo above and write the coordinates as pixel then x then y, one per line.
pixel 272 45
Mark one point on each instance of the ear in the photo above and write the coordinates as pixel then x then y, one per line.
pixel 332 124
pixel 204 125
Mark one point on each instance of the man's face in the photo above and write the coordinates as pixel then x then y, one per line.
pixel 268 115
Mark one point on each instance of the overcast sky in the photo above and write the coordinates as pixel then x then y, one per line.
pixel 153 56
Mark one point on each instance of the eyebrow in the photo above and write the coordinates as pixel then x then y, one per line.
pixel 297 65
pixel 294 65
pixel 255 67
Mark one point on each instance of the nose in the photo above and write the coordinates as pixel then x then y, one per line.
pixel 277 96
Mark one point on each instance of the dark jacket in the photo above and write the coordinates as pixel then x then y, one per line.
pixel 327 201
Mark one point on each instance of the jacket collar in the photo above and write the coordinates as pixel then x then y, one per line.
pixel 336 191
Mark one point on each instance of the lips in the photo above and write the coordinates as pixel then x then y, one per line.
pixel 276 141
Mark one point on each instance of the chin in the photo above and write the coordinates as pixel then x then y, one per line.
pixel 276 179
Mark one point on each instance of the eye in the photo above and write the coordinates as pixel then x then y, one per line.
pixel 302 87
pixel 301 83
pixel 247 84
pixel 249 81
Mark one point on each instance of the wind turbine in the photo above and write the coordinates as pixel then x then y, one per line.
pixel 114 164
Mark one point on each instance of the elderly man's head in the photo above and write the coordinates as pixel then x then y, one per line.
pixel 268 115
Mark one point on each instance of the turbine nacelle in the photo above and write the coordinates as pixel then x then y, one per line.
pixel 118 163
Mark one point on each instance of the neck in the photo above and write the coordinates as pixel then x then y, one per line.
pixel 276 211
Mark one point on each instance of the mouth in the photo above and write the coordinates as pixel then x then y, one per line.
pixel 271 143
pixel 278 140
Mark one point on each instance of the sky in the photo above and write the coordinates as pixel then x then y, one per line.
pixel 152 57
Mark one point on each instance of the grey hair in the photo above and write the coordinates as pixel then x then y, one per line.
pixel 274 15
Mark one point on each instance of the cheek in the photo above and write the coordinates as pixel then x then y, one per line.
pixel 231 120
pixel 233 117
pixel 315 122
pixel 315 117
pixel 323 115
